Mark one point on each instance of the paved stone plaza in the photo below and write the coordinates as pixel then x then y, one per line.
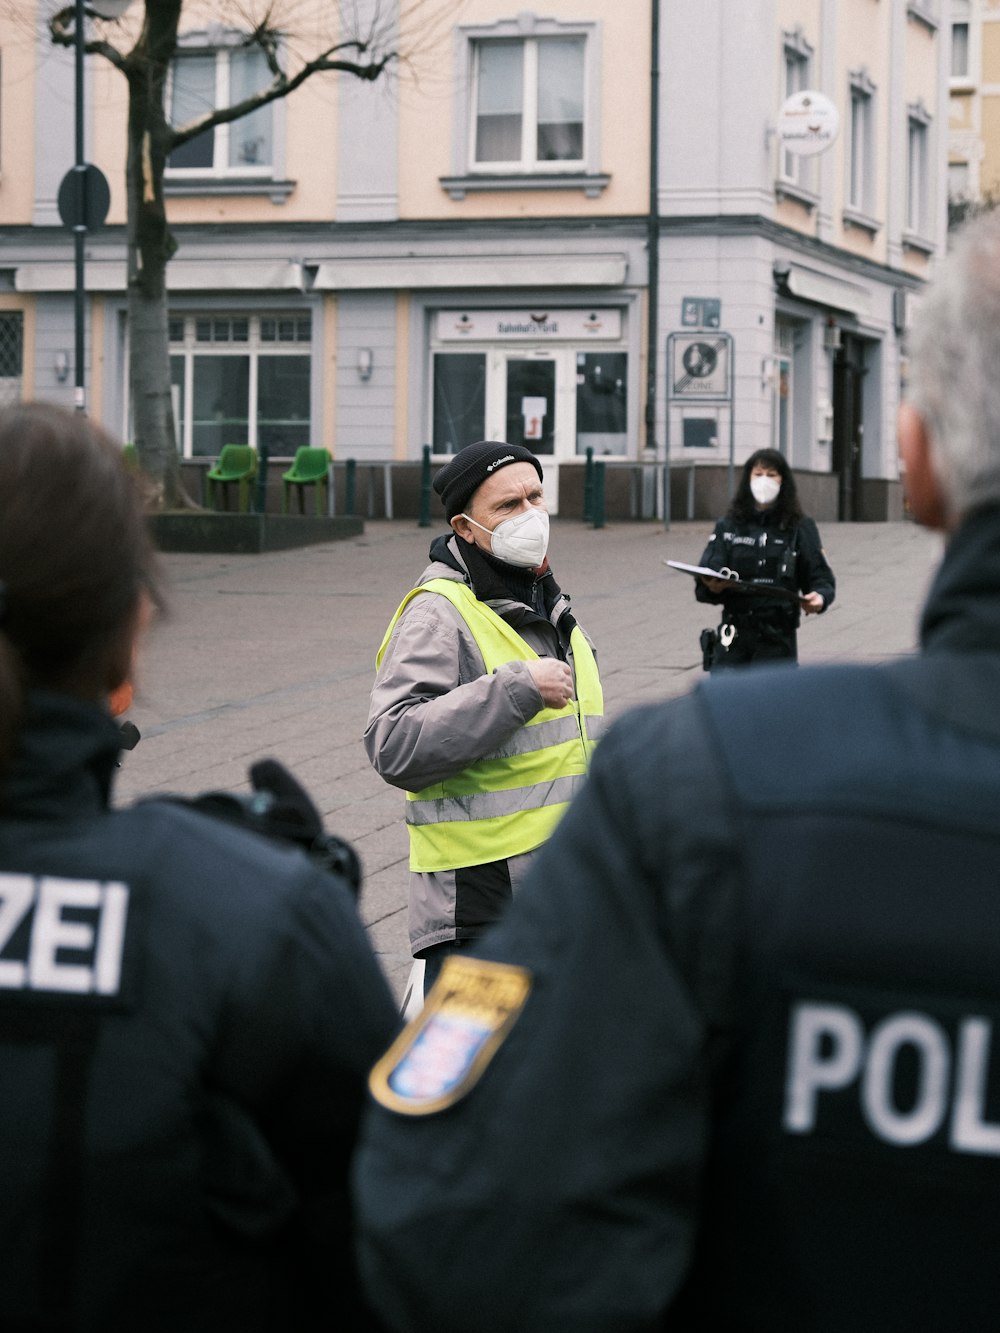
pixel 273 655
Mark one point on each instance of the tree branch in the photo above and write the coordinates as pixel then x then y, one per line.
pixel 281 85
pixel 62 28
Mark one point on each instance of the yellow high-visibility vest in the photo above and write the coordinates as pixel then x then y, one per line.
pixel 509 801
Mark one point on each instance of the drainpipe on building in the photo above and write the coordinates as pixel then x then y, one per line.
pixel 653 248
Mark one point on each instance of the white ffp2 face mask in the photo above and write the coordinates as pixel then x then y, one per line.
pixel 521 540
pixel 765 489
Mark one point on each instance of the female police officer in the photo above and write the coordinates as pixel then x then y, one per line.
pixel 187 1011
pixel 765 537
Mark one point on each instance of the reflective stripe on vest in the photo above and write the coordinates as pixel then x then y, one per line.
pixel 510 800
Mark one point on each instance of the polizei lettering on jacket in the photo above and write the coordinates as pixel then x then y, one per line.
pixel 908 1075
pixel 61 936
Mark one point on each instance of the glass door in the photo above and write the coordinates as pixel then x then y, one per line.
pixel 530 398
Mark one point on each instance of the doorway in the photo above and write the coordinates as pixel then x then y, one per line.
pixel 849 370
pixel 558 401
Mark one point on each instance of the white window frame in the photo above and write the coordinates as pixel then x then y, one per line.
pixel 527 160
pixel 961 15
pixel 859 182
pixel 254 346
pixel 796 171
pixel 527 173
pixel 784 356
pixel 222 44
pixel 918 166
pixel 960 76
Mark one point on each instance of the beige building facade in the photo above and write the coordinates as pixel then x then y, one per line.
pixel 538 229
pixel 974 104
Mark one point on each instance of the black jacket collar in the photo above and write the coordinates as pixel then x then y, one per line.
pixel 65 760
pixel 494 581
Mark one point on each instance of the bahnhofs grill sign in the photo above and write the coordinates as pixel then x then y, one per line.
pixel 581 324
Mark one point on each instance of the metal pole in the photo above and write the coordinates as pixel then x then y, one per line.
pixel 653 241
pixel 424 521
pixel 588 486
pixel 599 494
pixel 80 228
pixel 732 417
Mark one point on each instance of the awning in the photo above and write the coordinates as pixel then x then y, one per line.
pixel 821 289
pixel 183 275
pixel 409 273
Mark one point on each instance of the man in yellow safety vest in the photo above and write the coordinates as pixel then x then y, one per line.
pixel 487 700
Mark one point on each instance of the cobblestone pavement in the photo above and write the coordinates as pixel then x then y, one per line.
pixel 273 655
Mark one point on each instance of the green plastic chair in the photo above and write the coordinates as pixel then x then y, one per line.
pixel 311 467
pixel 237 463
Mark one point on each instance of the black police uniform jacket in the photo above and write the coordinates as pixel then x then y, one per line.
pixel 755 1084
pixel 187 1014
pixel 769 551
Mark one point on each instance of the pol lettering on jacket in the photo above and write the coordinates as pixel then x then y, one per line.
pixel 829 1051
pixel 56 952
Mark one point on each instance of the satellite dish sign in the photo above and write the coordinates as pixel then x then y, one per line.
pixel 807 123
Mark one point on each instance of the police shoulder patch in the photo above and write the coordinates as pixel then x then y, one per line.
pixel 438 1057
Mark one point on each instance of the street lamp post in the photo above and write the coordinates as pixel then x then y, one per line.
pixel 80 221
pixel 84 194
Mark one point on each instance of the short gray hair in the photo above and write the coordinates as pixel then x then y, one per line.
pixel 954 373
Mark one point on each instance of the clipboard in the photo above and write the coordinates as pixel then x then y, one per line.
pixel 748 587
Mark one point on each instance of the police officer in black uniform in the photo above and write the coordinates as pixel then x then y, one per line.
pixel 187 1010
pixel 764 539
pixel 732 1057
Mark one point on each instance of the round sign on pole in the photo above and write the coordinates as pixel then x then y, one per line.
pixel 807 123
pixel 84 198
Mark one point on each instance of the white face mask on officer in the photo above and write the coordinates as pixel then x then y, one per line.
pixel 521 540
pixel 764 489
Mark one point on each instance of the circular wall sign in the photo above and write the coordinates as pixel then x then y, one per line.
pixel 699 360
pixel 807 123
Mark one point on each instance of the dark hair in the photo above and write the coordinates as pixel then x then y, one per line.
pixel 75 557
pixel 786 508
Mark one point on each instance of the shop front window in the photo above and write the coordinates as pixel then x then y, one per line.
pixel 601 402
pixel 220 401
pixel 459 400
pixel 241 379
pixel 283 404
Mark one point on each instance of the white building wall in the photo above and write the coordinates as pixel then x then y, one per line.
pixel 366 408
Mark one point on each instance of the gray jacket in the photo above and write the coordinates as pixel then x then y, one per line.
pixel 434 711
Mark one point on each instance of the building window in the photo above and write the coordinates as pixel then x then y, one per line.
pixel 796 168
pixel 200 82
pixel 11 355
pixel 459 410
pixel 528 108
pixel 958 182
pixel 860 148
pixel 241 379
pixel 602 402
pixel 529 103
pixel 781 411
pixel 917 165
pixel 960 51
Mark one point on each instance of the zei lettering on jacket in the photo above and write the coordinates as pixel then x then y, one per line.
pixel 62 936
pixel 910 1076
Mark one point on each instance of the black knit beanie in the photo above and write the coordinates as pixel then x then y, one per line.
pixel 470 467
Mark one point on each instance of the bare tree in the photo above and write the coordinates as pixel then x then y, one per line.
pixel 363 51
